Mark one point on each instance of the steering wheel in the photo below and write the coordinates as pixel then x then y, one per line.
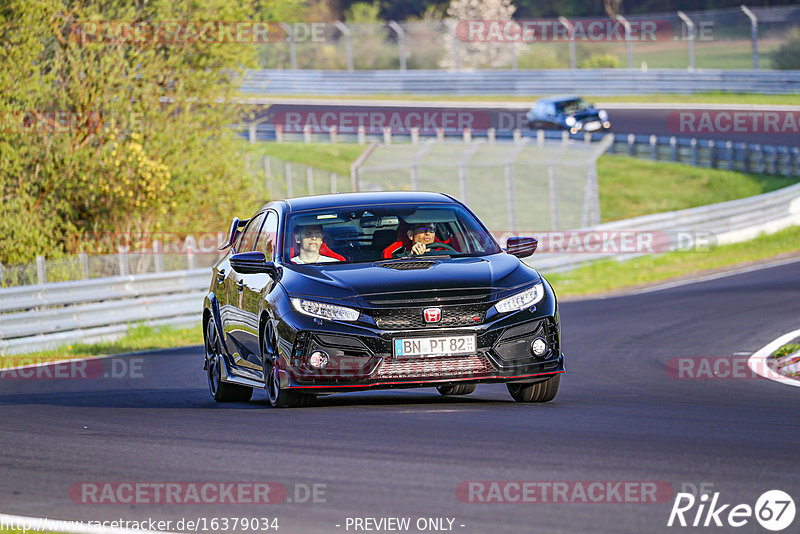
pixel 429 249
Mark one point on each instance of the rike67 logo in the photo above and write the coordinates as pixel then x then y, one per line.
pixel 774 510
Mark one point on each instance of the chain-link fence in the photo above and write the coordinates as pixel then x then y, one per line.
pixel 284 179
pixel 524 185
pixel 736 38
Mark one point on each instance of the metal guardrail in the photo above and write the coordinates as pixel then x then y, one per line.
pixel 520 82
pixel 49 315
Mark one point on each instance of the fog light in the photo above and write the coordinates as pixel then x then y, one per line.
pixel 606 124
pixel 538 346
pixel 318 359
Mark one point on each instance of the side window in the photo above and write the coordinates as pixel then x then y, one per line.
pixel 250 233
pixel 268 236
pixel 551 110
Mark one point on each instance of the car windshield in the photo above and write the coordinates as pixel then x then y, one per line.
pixel 570 107
pixel 375 233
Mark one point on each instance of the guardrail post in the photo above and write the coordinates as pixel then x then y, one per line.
pixel 587 138
pixel 310 180
pixel 83 261
pixel 124 269
pixel 693 149
pixel 333 132
pixel 565 136
pixel 540 137
pixel 362 135
pixel 517 135
pixel 387 135
pixel 712 154
pixel 414 135
pixel 758 158
pixel 653 147
pixel 770 159
pixel 731 158
pixel 41 270
pixel 279 133
pixel 287 172
pixel 158 256
pixel 631 145
pixel 746 159
pixel 307 133
pixel 786 157
pixel 467 135
pixel 491 135
pixel 673 148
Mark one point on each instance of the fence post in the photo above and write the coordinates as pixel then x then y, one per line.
pixel 712 154
pixel 279 133
pixel 731 155
pixel 362 135
pixel 387 135
pixel 334 187
pixel 41 270
pixel 158 256
pixel 693 148
pixel 631 145
pixel 310 180
pixel 401 43
pixel 753 34
pixel 287 171
pixel 123 262
pixel 628 44
pixel 568 25
pixel 691 33
pixel 462 182
pixel 673 148
pixel 1 274
pixel 415 177
pixel 414 135
pixel 467 135
pixel 267 172
pixel 348 46
pixel 553 186
pixel 491 135
pixel 440 134
pixel 333 131
pixel 191 260
pixel 292 46
pixel 307 133
pixel 653 147
pixel 83 260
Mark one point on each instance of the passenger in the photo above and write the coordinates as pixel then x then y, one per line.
pixel 310 240
pixel 421 235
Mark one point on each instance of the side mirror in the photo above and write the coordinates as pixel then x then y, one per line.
pixel 253 263
pixel 521 247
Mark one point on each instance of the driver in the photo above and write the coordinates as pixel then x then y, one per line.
pixel 422 237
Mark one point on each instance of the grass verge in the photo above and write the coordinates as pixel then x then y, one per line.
pixel 325 156
pixel 660 98
pixel 139 337
pixel 786 350
pixel 608 275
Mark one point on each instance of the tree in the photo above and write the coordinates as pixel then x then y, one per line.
pixel 476 53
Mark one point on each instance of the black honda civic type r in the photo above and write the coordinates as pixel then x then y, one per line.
pixel 348 292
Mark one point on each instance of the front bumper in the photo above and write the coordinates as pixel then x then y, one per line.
pixel 360 356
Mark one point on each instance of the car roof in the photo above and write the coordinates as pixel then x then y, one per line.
pixel 338 200
pixel 560 98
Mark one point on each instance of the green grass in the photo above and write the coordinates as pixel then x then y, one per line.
pixel 139 337
pixel 660 98
pixel 325 156
pixel 630 187
pixel 609 275
pixel 786 350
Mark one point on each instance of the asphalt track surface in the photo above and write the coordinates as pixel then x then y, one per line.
pixel 661 121
pixel 620 416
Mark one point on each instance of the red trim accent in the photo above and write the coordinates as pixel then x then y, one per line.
pixel 335 386
pixel 388 251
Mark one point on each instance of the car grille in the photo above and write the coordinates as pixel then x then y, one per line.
pixel 409 318
pixel 474 364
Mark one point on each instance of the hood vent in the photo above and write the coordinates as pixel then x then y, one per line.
pixel 409 265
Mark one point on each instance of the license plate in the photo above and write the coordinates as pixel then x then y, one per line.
pixel 412 347
pixel 592 126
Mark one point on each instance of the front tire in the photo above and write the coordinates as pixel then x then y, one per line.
pixel 456 389
pixel 544 391
pixel 220 391
pixel 281 397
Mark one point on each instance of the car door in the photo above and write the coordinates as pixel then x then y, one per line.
pixel 233 319
pixel 253 286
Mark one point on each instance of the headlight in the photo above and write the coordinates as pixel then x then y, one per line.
pixel 523 300
pixel 570 121
pixel 603 115
pixel 325 311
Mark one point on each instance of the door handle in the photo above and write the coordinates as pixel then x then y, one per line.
pixel 240 284
pixel 221 276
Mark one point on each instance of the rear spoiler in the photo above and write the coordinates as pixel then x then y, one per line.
pixel 236 226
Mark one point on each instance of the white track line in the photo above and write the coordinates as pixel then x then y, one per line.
pixel 758 361
pixel 39 524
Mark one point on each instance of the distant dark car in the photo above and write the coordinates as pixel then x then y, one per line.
pixel 364 309
pixel 567 113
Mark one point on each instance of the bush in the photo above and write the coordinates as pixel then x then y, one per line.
pixel 601 61
pixel 787 57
